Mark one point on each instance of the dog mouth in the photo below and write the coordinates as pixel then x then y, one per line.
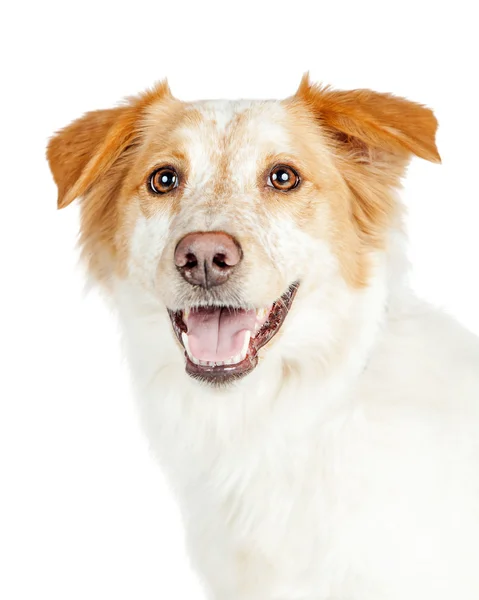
pixel 221 343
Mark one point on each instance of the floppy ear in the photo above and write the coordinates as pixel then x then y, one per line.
pixel 369 120
pixel 82 152
pixel 372 137
pixel 79 153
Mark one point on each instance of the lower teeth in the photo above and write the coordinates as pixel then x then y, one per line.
pixel 211 363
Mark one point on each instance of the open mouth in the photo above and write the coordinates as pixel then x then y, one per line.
pixel 222 342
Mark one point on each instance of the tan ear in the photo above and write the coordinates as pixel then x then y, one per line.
pixel 370 119
pixel 78 152
pixel 82 152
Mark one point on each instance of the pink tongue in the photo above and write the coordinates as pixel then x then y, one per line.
pixel 218 334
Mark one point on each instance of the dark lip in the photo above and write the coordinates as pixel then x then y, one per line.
pixel 224 374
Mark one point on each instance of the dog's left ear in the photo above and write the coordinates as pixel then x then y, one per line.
pixel 367 120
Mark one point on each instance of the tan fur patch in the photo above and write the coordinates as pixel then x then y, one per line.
pixel 320 206
pixel 91 158
pixel 379 120
pixel 369 138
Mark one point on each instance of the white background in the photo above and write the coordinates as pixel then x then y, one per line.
pixel 84 511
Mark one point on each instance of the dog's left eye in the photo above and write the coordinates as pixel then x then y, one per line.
pixel 283 177
pixel 163 180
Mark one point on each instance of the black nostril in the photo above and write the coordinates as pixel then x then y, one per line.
pixel 191 261
pixel 220 261
pixel 207 259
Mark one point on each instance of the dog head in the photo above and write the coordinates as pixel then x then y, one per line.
pixel 221 212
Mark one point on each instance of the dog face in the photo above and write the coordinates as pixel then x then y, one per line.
pixel 221 212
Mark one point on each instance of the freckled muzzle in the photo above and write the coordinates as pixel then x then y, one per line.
pixel 222 342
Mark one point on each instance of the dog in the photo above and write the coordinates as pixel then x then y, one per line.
pixel 318 423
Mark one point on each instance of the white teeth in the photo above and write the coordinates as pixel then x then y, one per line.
pixel 261 313
pixel 244 350
pixel 261 317
pixel 211 363
pixel 186 314
pixel 184 339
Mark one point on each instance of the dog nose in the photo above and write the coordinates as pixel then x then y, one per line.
pixel 207 259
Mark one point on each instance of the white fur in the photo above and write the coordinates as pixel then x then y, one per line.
pixel 346 466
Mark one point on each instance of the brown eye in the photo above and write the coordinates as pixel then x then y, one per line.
pixel 163 180
pixel 283 178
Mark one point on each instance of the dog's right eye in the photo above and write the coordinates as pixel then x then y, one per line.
pixel 163 180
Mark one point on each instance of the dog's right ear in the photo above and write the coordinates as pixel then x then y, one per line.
pixel 82 152
pixel 78 153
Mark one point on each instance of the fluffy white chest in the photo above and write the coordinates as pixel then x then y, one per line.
pixel 298 491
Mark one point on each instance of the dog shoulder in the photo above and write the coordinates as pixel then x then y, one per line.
pixel 427 361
